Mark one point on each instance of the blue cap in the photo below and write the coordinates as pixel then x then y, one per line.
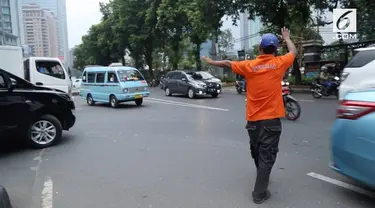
pixel 269 39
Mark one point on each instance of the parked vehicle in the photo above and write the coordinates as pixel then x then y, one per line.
pixel 36 113
pixel 353 137
pixel 191 83
pixel 41 71
pixel 292 107
pixel 318 90
pixel 113 85
pixel 359 73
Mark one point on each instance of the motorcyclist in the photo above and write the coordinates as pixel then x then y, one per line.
pixel 241 81
pixel 324 78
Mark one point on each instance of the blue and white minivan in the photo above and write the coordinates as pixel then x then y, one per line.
pixel 113 85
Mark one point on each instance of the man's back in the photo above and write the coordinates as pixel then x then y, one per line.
pixel 264 76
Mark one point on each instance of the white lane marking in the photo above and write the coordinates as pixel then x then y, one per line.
pixel 47 194
pixel 187 105
pixel 342 184
pixel 182 103
pixel 310 101
pixel 171 101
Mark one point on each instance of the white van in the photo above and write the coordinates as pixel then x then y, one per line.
pixel 359 73
pixel 42 71
pixel 47 72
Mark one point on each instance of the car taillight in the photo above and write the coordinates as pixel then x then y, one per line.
pixel 344 75
pixel 352 110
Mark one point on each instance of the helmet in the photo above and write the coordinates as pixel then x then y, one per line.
pixel 323 68
pixel 269 39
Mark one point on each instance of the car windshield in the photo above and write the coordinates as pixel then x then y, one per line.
pixel 129 75
pixel 200 75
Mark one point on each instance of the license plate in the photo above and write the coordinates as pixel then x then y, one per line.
pixel 138 96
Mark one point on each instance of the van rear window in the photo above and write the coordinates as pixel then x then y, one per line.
pixel 129 75
pixel 361 58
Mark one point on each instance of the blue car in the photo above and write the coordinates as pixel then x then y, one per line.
pixel 113 85
pixel 353 137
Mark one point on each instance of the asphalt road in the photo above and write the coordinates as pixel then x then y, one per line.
pixel 174 152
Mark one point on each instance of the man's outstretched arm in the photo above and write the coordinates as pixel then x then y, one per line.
pixel 238 67
pixel 223 64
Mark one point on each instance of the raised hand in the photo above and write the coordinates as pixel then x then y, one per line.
pixel 285 33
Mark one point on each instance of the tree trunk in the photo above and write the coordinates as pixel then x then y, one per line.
pixel 122 54
pixel 197 55
pixel 176 55
pixel 149 61
pixel 297 72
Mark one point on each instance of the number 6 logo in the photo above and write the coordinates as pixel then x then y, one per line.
pixel 345 20
pixel 344 17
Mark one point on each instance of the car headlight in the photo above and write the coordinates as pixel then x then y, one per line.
pixel 199 85
pixel 125 90
pixel 282 83
pixel 287 83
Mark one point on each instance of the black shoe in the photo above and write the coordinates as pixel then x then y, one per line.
pixel 263 199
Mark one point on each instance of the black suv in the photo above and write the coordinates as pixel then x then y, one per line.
pixel 37 114
pixel 191 83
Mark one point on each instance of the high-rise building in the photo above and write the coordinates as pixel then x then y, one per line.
pixel 245 32
pixel 58 8
pixel 9 23
pixel 40 30
pixel 255 31
pixel 250 31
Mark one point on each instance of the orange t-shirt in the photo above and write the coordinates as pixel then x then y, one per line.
pixel 263 77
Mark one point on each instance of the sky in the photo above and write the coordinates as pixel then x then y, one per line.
pixel 82 14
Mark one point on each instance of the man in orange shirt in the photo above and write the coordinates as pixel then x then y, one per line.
pixel 265 104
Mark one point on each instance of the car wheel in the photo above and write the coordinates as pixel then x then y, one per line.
pixel 138 102
pixel 90 101
pixel 113 101
pixel 168 91
pixel 214 95
pixel 4 198
pixel 44 132
pixel 191 93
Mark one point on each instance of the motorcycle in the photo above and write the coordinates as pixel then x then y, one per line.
pixel 285 83
pixel 318 89
pixel 240 86
pixel 292 107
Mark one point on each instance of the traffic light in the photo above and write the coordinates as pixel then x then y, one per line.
pixel 241 54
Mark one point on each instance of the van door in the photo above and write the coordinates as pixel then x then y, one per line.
pixel 90 86
pixel 112 84
pixel 100 92
pixel 51 74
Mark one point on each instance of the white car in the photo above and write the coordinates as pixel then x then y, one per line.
pixel 359 73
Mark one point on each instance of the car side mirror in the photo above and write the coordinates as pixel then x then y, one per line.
pixel 184 79
pixel 11 85
pixel 84 79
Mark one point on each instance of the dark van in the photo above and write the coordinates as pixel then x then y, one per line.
pixel 35 113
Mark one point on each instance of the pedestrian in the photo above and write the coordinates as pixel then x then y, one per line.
pixel 265 104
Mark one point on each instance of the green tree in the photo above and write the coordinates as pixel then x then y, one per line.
pixel 172 21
